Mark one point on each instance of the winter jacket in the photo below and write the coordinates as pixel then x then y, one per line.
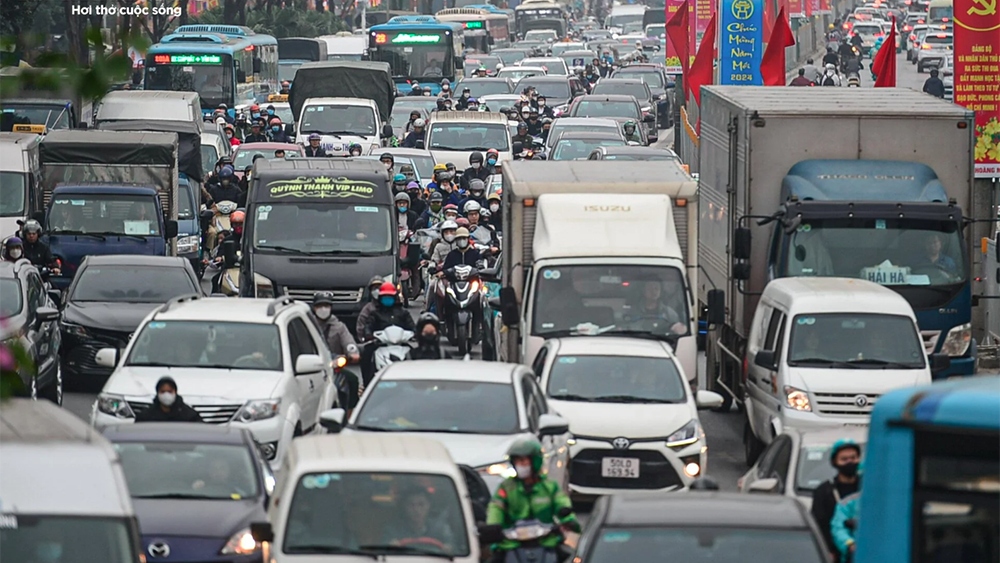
pixel 178 412
pixel 514 502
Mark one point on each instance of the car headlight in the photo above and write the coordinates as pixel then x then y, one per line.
pixel 263 287
pixel 498 469
pixel 259 409
pixel 75 330
pixel 188 244
pixel 685 435
pixel 114 405
pixel 797 399
pixel 958 340
pixel 241 543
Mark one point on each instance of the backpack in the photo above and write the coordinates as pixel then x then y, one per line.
pixel 829 81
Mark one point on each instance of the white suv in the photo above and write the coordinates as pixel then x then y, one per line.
pixel 258 364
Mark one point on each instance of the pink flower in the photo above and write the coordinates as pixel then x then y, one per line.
pixel 7 361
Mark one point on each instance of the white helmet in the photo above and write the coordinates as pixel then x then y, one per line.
pixel 472 206
pixel 419 123
pixel 449 225
pixel 220 121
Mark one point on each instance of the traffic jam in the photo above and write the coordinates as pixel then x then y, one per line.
pixel 544 281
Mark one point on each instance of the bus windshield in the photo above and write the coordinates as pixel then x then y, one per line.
pixel 214 83
pixel 415 55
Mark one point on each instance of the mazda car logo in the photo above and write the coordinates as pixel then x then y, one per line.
pixel 861 401
pixel 158 549
pixel 621 443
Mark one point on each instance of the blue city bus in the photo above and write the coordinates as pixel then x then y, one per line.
pixel 420 50
pixel 931 486
pixel 225 64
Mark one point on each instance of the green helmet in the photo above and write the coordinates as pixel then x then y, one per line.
pixel 530 448
pixel 842 444
pixel 630 123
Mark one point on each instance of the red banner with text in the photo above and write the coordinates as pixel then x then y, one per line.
pixel 700 17
pixel 977 76
pixel 672 62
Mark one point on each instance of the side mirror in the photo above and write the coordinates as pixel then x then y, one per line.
pixel 170 229
pixel 716 314
pixel 46 314
pixel 262 532
pixel 241 76
pixel 741 244
pixel 765 359
pixel 704 399
pixel 419 144
pixel 764 486
pixel 308 363
pixel 939 363
pixel 205 218
pixel 489 533
pixel 741 271
pixel 509 311
pixel 552 425
pixel 257 65
pixel 289 130
pixel 517 147
pixel 387 131
pixel 229 253
pixel 106 357
pixel 333 420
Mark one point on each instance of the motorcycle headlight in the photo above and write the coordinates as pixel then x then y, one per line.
pixel 498 469
pixel 241 543
pixel 474 286
pixel 685 435
pixel 958 340
pixel 261 409
pixel 263 287
pixel 188 244
pixel 75 330
pixel 114 405
pixel 797 399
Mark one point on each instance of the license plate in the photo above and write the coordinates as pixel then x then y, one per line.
pixel 620 467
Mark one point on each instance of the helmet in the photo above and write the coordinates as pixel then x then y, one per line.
pixel 522 125
pixel 375 282
pixel 841 444
pixel 630 123
pixel 530 448
pixel 399 179
pixel 471 206
pixel 237 217
pixel 445 81
pixel 450 166
pixel 493 196
pixel 274 121
pixel 704 484
pixel 427 318
pixel 462 232
pixel 387 156
pixel 419 122
pixel 476 157
pixel 314 137
pixel 353 146
pixel 830 27
pixel 32 226
pixel 463 223
pixel 226 172
pixel 440 168
pixel 322 298
pixel 446 176
pixel 492 152
pixel 387 288
pixel 437 196
pixel 472 101
pixel 412 186
pixel 402 196
pixel 254 108
pixel 451 207
pixel 449 225
pixel 475 185
pixel 13 241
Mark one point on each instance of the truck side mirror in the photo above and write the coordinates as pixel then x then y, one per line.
pixel 741 244
pixel 256 65
pixel 169 229
pixel 716 307
pixel 387 131
pixel 509 312
pixel 419 144
pixel 741 271
pixel 765 359
pixel 241 76
pixel 229 253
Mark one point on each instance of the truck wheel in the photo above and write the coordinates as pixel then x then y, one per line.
pixel 752 447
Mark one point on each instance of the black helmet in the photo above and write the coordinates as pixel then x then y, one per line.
pixel 476 157
pixel 32 226
pixel 428 318
pixel 322 298
pixel 437 196
pixel 704 484
pixel 387 156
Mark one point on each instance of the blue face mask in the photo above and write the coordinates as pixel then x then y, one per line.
pixel 255 115
pixel 48 551
pixel 276 129
pixel 270 112
pixel 402 209
pixel 387 300
pixel 491 162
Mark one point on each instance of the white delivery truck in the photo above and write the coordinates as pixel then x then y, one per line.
pixel 20 180
pixel 596 248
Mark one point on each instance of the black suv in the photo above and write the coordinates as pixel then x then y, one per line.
pixel 30 316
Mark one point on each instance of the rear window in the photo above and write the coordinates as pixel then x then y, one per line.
pixel 938 40
pixel 547 88
pixel 868 29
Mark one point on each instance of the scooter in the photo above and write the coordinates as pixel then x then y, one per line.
pixel 219 222
pixel 393 346
pixel 530 533
pixel 463 307
pixel 853 80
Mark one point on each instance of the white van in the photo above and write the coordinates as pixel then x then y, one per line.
pixel 340 122
pixel 823 350
pixel 20 180
pixel 63 494
pixel 150 105
pixel 348 497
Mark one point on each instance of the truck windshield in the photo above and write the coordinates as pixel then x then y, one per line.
pixel 56 538
pixel 322 228
pixel 632 297
pixel 829 340
pixel 469 137
pixel 894 252
pixel 13 194
pixel 214 83
pixel 52 116
pixel 108 214
pixel 338 119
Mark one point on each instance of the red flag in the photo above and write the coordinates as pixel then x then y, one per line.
pixel 809 8
pixel 677 31
pixel 701 70
pixel 772 64
pixel 884 65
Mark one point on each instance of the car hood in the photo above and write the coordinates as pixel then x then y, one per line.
pixel 341 272
pixel 630 420
pixel 196 385
pixel 856 381
pixel 474 450
pixel 121 317
pixel 196 518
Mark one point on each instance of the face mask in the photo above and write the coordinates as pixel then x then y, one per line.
pixel 449 217
pixel 388 165
pixel 494 207
pixel 445 88
pixel 435 207
pixel 463 243
pixel 449 238
pixel 323 312
pixel 402 209
pixel 491 162
pixel 848 469
pixel 47 552
pixel 225 181
pixel 270 112
pixel 387 300
pixel 428 337
pixel 355 153
pixel 255 115
pixel 541 104
pixel 523 471
pixel 476 165
pixel 166 398
pixel 15 253
pixel 229 135
pixel 275 128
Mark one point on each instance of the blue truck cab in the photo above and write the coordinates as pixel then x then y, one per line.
pixel 889 222
pixel 188 223
pixel 100 219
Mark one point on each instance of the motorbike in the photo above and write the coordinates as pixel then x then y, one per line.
pixel 225 275
pixel 853 80
pixel 393 346
pixel 462 298
pixel 219 222
pixel 529 534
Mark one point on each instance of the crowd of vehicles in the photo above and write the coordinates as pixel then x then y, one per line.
pixel 462 164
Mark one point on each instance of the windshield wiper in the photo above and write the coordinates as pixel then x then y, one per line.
pixel 375 428
pixel 283 248
pixel 821 362
pixel 304 131
pixel 884 364
pixel 409 549
pixel 444 148
pixel 629 399
pixel 355 133
pixel 182 495
pixel 113 234
pixel 80 234
pixel 573 398
pixel 443 431
pixel 337 549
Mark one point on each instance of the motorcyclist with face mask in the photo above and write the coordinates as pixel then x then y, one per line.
pixel 529 495
pixel 168 406
pixel 428 339
pixel 631 132
pixel 845 456
pixel 463 254
pixel 389 311
pixel 407 218
pixel 13 250
pixel 496 216
pixel 35 249
pixel 341 343
pixel 355 150
pixel 433 215
pixel 364 317
pixel 477 193
pixel 417 134
pixel 227 190
pixel 475 170
pixel 481 233
pixel 398 183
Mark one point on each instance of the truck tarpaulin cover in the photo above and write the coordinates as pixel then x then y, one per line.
pixel 369 80
pixel 189 141
pixel 87 157
pixel 301 49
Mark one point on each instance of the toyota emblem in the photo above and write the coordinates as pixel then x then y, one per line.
pixel 158 549
pixel 861 401
pixel 621 443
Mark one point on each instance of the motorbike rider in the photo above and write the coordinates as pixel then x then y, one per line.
pixel 522 136
pixel 255 136
pixel 236 221
pixel 389 311
pixel 477 193
pixel 417 134
pixel 277 132
pixel 227 190
pixel 534 123
pixel 428 339
pixel 230 130
pixel 341 343
pixel 445 88
pixel 473 105
pixel 846 51
pixel 450 212
pixel 856 40
pixel 313 149
pixel 432 216
pixel 398 183
pixel 492 159
pixel 493 204
pixel 463 254
pixel 369 308
pixel 801 79
pixel 482 233
pixel 546 127
pixel 529 495
pixel 355 150
pixel 830 76
pixel 845 455
pixel 416 91
pixel 432 186
pixel 407 218
pixel 454 195
pixel 437 257
pixel 830 57
pixel 812 73
pixel 462 102
pixel 389 161
pixel 13 249
pixel 476 170
pixel 854 66
pixel 417 204
pixel 843 527
pixel 35 250
pixel 543 109
pixel 631 132
pixel 933 85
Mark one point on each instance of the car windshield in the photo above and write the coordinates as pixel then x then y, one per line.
pixel 13 194
pixel 181 470
pixel 619 379
pixel 649 299
pixel 551 66
pixel 327 119
pixel 516 73
pixel 652 79
pixel 131 284
pixel 105 214
pixel 541 35
pixel 830 340
pixel 245 154
pixel 578 149
pixel 76 538
pixel 283 112
pixel 213 82
pixel 554 89
pixel 637 90
pixel 209 156
pixel 656 30
pixel 373 514
pixel 53 117
pixel 400 115
pixel 423 163
pixel 206 344
pixel 814 468
pixel 559 127
pixel 10 297
pixel 588 108
pixel 510 57
pixel 431 405
pixel 472 64
pixel 867 29
pixel 287 69
pixel 322 228
pixel 480 88
pixel 468 136
pixel 560 48
pixel 708 544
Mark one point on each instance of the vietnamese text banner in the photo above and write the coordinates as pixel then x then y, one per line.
pixel 741 42
pixel 977 76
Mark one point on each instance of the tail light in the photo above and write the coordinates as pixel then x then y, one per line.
pixel 913 37
pixel 926 46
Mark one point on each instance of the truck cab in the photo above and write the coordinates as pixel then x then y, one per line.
pixel 20 178
pixel 340 123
